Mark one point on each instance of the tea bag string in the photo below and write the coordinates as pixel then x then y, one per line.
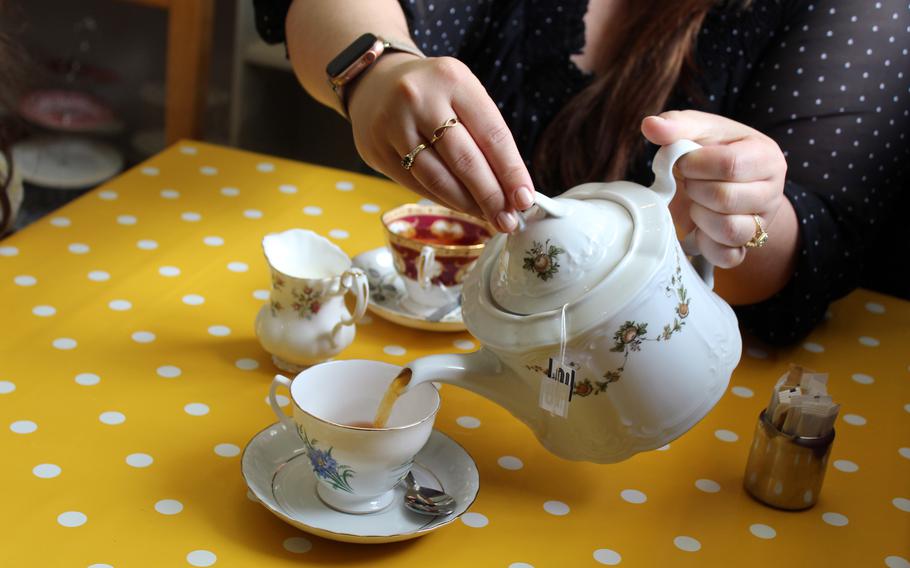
pixel 563 336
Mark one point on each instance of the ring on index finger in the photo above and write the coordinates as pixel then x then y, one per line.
pixel 441 131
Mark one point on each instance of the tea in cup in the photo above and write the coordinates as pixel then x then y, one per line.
pixel 306 320
pixel 356 465
pixel 433 249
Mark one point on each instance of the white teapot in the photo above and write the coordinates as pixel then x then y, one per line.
pixel 597 332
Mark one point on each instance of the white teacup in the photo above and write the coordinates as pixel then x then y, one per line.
pixel 356 466
pixel 306 320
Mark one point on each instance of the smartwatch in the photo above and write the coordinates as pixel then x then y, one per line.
pixel 356 58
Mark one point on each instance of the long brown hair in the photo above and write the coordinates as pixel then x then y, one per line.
pixel 596 135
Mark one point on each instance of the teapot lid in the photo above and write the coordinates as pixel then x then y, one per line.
pixel 565 247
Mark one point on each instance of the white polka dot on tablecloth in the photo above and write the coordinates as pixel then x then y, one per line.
pixel 7 387
pixel 23 427
pixel 687 543
pixel 510 462
pixel 193 300
pixel 897 562
pixel 835 519
pixel 112 417
pixel 663 448
pixel 169 271
pixel 219 330
pixel 139 460
pixel 297 545
pixel 65 343
pixel 282 400
pixel 862 379
pixel 726 435
pixel 150 171
pixel 707 485
pixel 344 186
pixel 464 344
pixel 226 450
pixel 265 167
pixel 869 341
pixel 762 531
pixel 261 294
pixel 339 234
pixel 633 496
pixel 169 506
pixel 127 220
pixel 190 216
pixel 475 520
pixel 845 466
pixel 213 241
pixel 312 210
pixel 520 565
pixel 904 452
pixel 237 266
pixel 71 519
pixel 143 336
pixel 252 213
pixel 60 221
pixel 189 150
pixel 208 170
pixel 78 248
pixel 742 392
pixel 396 350
pixel 99 276
pixel 370 208
pixel 813 347
pixel 557 508
pixel 287 188
pixel 147 244
pixel 907 407
pixel 46 470
pixel 875 308
pixel 854 419
pixel 756 353
pixel 196 409
pixel 607 557
pixel 901 503
pixel 120 305
pixel 170 193
pixel 469 422
pixel 230 191
pixel 25 280
pixel 246 364
pixel 87 379
pixel 107 195
pixel 7 250
pixel 201 558
pixel 168 371
pixel 44 311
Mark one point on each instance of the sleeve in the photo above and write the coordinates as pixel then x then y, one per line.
pixel 832 91
pixel 270 18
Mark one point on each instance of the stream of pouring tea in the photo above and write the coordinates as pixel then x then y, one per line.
pixel 391 395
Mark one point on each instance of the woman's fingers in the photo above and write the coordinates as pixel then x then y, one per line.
pixel 727 230
pixel 748 159
pixel 405 178
pixel 731 197
pixel 717 254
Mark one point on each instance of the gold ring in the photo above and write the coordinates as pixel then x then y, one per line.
pixel 407 162
pixel 440 132
pixel 760 237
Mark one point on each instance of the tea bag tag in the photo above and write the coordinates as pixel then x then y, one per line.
pixel 556 389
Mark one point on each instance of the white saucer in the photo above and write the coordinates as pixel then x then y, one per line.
pixel 389 298
pixel 275 468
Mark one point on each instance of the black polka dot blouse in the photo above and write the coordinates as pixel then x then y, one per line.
pixel 829 81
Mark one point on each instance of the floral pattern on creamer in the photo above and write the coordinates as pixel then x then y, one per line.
pixel 543 259
pixel 327 467
pixel 308 302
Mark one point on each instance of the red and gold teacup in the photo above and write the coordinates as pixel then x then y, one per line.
pixel 433 249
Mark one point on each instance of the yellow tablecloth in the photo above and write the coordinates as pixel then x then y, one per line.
pixel 130 379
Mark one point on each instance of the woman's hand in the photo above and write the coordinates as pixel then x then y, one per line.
pixel 475 167
pixel 739 173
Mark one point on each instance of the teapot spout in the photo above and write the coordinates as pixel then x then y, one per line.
pixel 480 372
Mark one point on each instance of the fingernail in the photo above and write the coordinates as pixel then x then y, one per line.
pixel 524 199
pixel 507 221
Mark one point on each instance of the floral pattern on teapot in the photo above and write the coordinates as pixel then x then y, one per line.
pixel 629 338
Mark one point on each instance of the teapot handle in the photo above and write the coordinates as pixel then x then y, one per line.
pixel 665 186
